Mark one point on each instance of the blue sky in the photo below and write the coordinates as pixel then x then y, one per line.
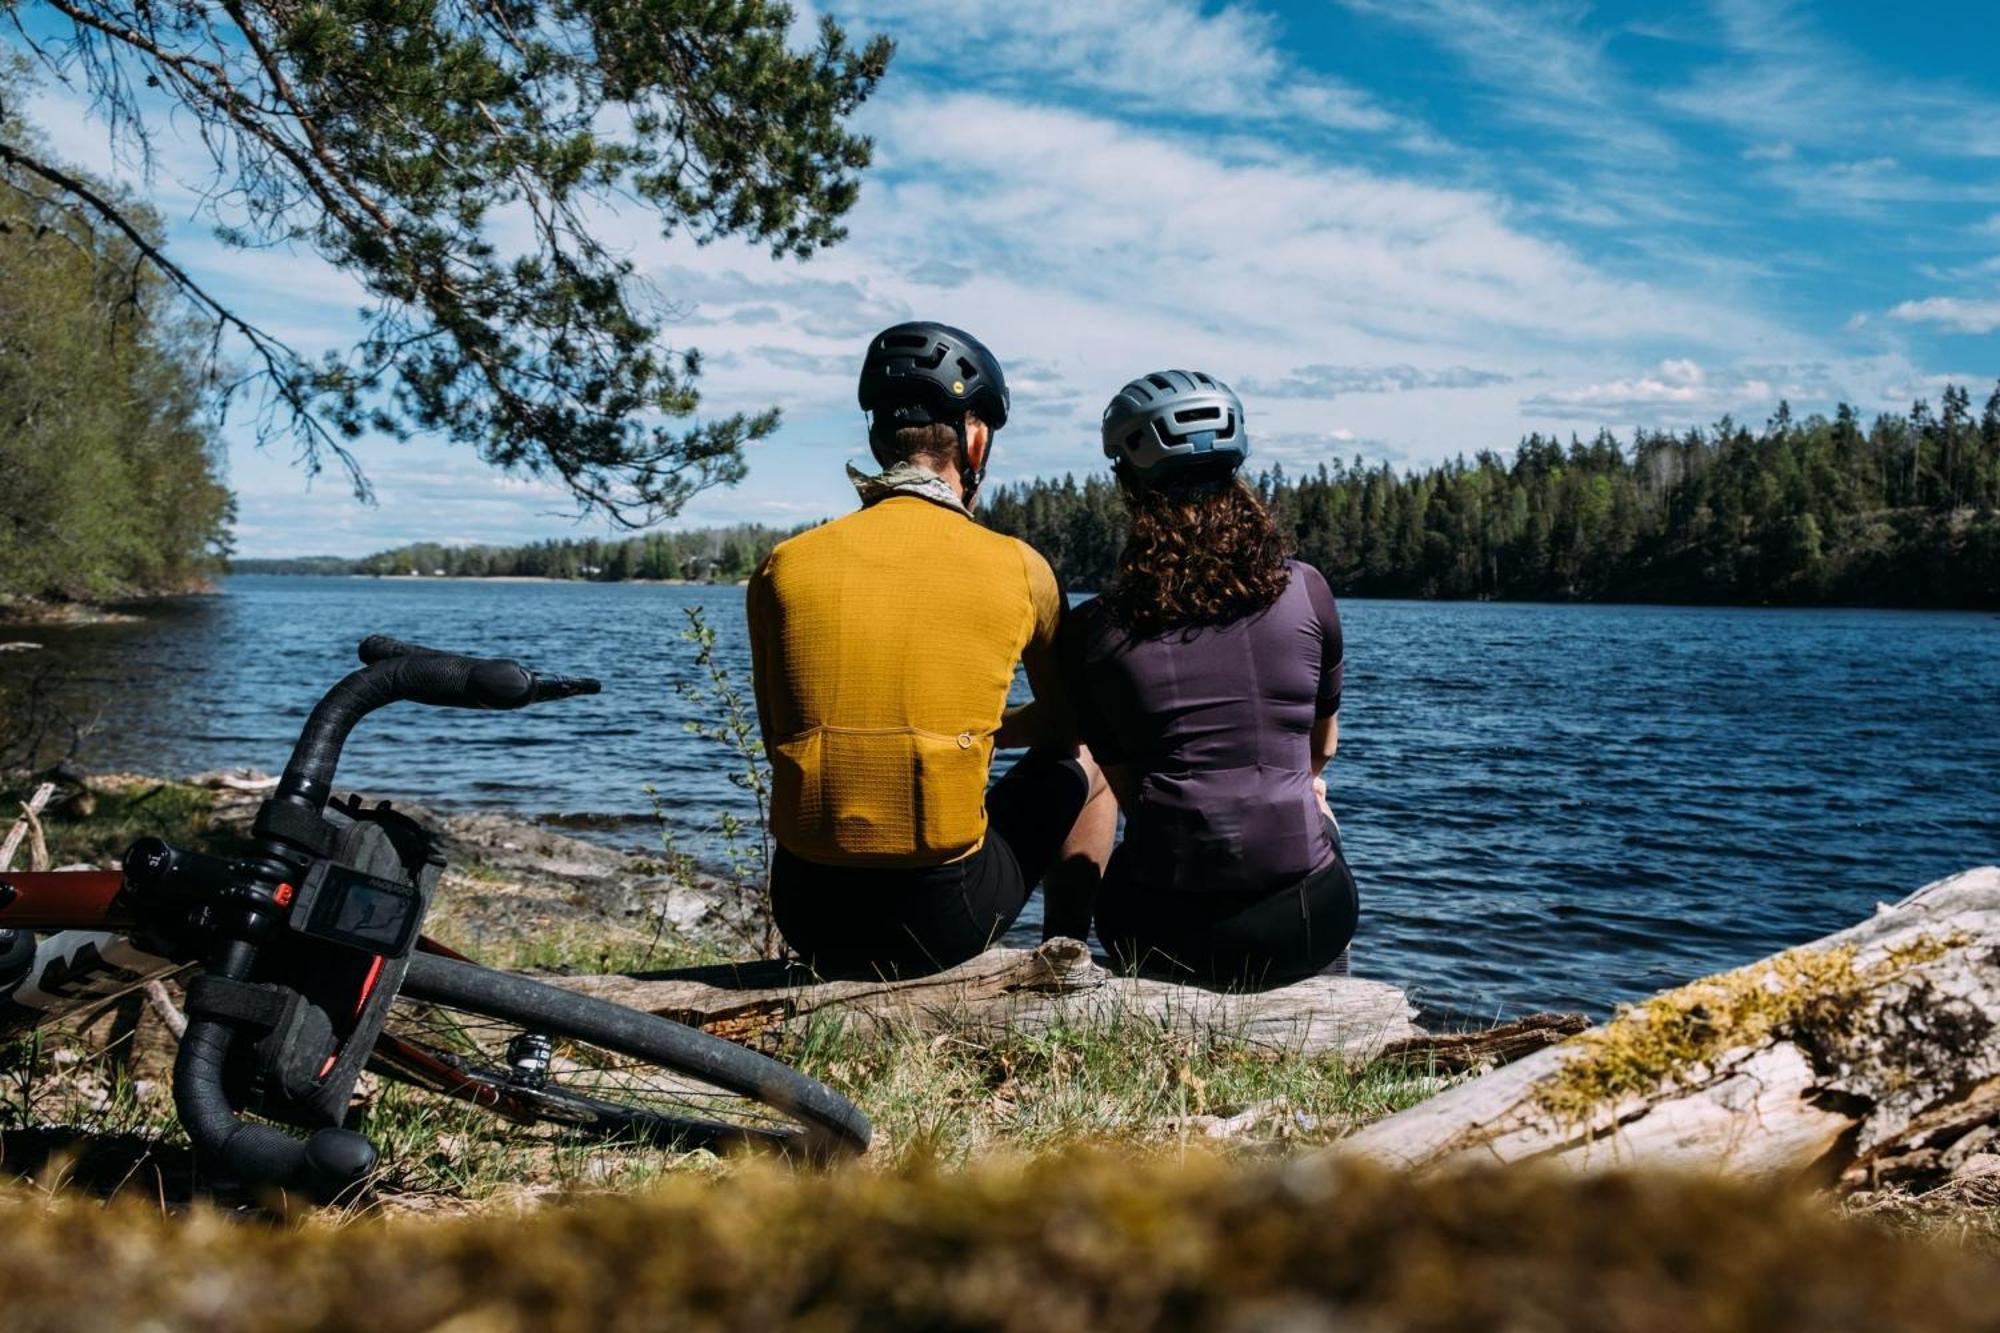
pixel 1403 228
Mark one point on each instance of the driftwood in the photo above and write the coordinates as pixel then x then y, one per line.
pixel 1018 990
pixel 29 825
pixel 1870 1056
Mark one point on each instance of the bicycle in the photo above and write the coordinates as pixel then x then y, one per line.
pixel 311 967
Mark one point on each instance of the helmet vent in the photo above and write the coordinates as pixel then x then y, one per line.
pixel 1161 382
pixel 906 340
pixel 1184 416
pixel 967 371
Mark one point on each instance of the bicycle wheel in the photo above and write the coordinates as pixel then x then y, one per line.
pixel 536 1053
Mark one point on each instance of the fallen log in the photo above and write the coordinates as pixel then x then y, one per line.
pixel 1022 990
pixel 1871 1056
pixel 1484 1048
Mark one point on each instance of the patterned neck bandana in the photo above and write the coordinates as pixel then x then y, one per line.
pixel 905 479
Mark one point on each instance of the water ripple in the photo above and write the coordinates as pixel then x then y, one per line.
pixel 1545 806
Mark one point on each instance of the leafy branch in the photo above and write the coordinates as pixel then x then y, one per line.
pixel 462 161
pixel 723 718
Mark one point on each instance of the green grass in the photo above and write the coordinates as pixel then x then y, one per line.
pixel 937 1099
pixel 568 945
pixel 443 1153
pixel 97 826
pixel 956 1096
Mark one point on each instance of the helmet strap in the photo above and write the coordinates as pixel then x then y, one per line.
pixel 969 476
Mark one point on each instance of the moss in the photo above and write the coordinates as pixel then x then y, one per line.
pixel 1810 993
pixel 1089 1240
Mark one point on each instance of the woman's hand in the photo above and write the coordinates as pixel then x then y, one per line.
pixel 1319 791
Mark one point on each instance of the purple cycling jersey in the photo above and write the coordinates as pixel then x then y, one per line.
pixel 1218 721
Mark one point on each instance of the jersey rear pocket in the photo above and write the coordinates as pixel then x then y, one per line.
pixel 951 791
pixel 798 811
pixel 848 796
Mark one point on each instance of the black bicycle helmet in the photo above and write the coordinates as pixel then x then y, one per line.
pixel 1175 422
pixel 922 373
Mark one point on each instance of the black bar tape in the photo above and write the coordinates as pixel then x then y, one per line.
pixel 294 824
pixel 240 1004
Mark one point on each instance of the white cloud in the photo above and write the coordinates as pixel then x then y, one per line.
pixel 1164 227
pixel 1784 80
pixel 1541 68
pixel 1325 381
pixel 1683 392
pixel 1952 313
pixel 1171 56
pixel 1870 185
pixel 1676 382
pixel 1216 205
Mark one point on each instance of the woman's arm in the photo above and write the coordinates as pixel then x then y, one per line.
pixel 1124 780
pixel 1325 740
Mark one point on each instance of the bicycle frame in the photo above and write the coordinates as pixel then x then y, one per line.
pixel 87 960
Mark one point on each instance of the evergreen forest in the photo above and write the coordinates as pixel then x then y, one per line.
pixel 723 554
pixel 1903 510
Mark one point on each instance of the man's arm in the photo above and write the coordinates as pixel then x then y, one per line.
pixel 1047 719
pixel 758 612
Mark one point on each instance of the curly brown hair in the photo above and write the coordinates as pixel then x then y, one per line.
pixel 1198 553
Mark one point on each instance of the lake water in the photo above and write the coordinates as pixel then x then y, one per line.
pixel 1545 806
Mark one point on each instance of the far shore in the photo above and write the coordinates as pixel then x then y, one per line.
pixel 504 578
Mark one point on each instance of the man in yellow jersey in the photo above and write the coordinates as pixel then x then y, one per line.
pixel 883 646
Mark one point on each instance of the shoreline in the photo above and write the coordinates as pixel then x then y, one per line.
pixel 1993 610
pixel 499 578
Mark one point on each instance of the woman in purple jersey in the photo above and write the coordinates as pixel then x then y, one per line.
pixel 1207 682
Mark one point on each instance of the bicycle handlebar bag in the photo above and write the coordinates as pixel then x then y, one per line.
pixel 303 1072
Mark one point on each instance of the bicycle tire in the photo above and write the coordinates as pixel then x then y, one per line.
pixel 714 1094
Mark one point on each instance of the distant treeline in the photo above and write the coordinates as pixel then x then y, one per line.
pixel 110 470
pixel 1901 511
pixel 702 554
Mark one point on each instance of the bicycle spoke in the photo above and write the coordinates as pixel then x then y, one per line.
pixel 586 1080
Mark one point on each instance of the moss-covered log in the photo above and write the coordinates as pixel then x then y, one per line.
pixel 1871 1055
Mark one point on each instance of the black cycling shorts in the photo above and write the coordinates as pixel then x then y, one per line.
pixel 1246 941
pixel 866 921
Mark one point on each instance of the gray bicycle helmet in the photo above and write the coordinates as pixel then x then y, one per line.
pixel 1175 422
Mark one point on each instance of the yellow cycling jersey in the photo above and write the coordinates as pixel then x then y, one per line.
pixel 883 645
